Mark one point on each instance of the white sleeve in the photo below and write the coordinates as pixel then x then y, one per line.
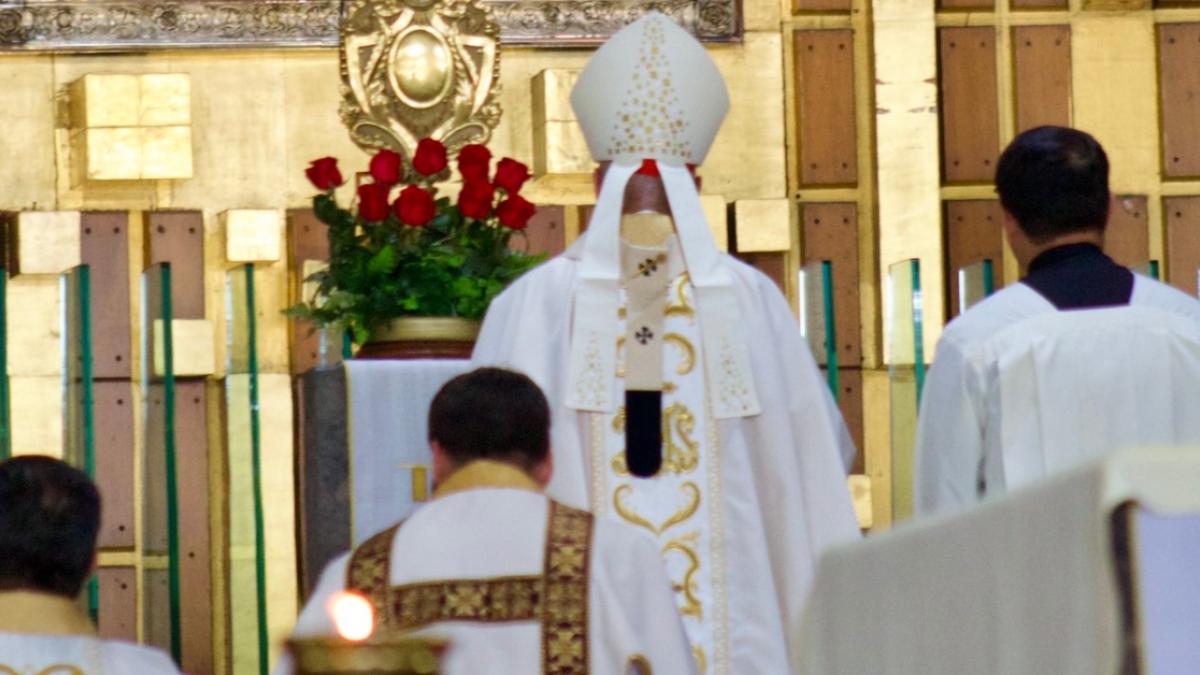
pixel 314 620
pixel 949 444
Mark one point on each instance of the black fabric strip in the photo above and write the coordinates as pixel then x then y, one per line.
pixel 643 432
pixel 1079 276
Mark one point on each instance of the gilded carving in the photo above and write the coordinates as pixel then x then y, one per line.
pixel 170 24
pixel 414 69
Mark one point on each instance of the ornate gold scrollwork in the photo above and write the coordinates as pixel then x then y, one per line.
pixel 681 452
pixel 686 545
pixel 414 69
pixel 682 305
pixel 692 492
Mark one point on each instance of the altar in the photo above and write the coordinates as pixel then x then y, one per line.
pixel 1089 572
pixel 365 459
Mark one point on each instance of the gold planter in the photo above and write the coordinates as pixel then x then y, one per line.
pixel 330 656
pixel 421 337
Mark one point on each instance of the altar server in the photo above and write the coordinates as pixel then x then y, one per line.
pixel 49 517
pixel 515 581
pixel 1080 358
pixel 685 401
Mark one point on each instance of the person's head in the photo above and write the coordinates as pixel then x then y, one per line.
pixel 494 414
pixel 49 518
pixel 1053 185
pixel 644 192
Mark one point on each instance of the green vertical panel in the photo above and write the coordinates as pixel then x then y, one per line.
pixel 160 536
pixel 1148 268
pixel 975 282
pixel 245 462
pixel 80 448
pixel 817 317
pixel 905 358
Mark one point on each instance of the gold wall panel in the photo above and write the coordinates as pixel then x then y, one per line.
pixel 165 100
pixel 193 341
pixel 253 235
pixel 34 327
pixel 906 122
pixel 37 415
pixel 275 423
pixel 1116 100
pixel 105 100
pixel 763 225
pixel 47 242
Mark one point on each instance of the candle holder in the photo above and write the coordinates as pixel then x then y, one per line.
pixel 333 656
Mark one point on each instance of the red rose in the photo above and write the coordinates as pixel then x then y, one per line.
pixel 414 206
pixel 324 173
pixel 473 161
pixel 386 167
pixel 430 158
pixel 475 200
pixel 373 201
pixel 515 212
pixel 510 175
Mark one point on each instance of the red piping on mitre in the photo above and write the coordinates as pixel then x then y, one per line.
pixel 650 168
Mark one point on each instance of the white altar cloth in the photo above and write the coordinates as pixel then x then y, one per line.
pixel 388 410
pixel 1025 584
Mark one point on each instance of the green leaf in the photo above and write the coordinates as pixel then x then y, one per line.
pixel 383 262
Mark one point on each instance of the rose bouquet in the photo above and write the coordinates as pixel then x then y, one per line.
pixel 403 250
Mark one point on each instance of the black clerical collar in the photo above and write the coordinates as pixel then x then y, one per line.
pixel 1079 276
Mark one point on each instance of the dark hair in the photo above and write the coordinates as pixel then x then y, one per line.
pixel 49 517
pixel 491 413
pixel 1054 181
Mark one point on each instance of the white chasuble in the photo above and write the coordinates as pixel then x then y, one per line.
pixel 43 634
pixel 514 582
pixel 742 507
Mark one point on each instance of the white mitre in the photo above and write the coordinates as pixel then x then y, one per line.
pixel 652 92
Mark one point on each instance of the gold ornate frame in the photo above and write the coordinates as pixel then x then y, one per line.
pixel 123 25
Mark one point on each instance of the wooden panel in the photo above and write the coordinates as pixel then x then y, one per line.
pixel 1040 4
pixel 545 232
pixel 825 115
pixel 1183 242
pixel 104 247
pixel 1127 238
pixel 115 460
pixel 970 113
pixel 772 264
pixel 830 232
pixel 850 402
pixel 973 233
pixel 1042 75
pixel 799 6
pixel 177 237
pixel 966 4
pixel 1178 56
pixel 307 240
pixel 191 450
pixel 118 602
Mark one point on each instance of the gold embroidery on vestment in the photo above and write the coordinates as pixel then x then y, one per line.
pixel 686 545
pixel 681 452
pixel 683 302
pixel 701 659
pixel 687 511
pixel 558 596
pixel 57 669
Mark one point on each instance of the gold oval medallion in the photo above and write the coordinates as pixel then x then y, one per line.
pixel 422 67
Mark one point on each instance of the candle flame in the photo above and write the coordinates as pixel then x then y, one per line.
pixel 352 615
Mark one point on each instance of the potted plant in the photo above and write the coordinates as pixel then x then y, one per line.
pixel 411 272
